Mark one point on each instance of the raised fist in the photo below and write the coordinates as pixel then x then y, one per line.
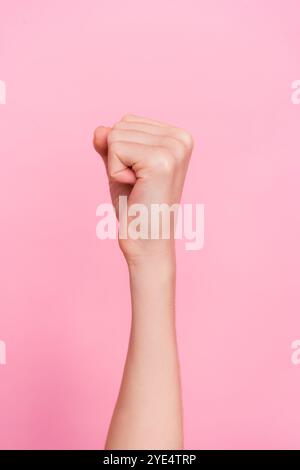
pixel 145 160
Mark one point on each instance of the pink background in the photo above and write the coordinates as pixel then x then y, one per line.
pixel 223 70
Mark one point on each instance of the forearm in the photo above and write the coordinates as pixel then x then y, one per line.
pixel 146 162
pixel 148 411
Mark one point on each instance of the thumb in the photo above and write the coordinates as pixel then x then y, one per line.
pixel 100 141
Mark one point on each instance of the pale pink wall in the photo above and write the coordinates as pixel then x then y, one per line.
pixel 223 70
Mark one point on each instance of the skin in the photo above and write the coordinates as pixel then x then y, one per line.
pixel 147 160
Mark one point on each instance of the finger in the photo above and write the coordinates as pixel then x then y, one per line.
pixel 135 118
pixel 124 135
pixel 100 141
pixel 127 160
pixel 120 161
pixel 175 132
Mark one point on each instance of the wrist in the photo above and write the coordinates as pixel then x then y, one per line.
pixel 160 256
pixel 152 285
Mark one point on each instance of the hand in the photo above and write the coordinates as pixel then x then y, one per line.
pixel 146 161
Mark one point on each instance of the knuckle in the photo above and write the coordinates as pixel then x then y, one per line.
pixel 127 116
pixel 176 147
pixel 180 151
pixel 187 138
pixel 118 125
pixel 190 140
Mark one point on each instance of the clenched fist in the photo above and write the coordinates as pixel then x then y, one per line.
pixel 145 160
